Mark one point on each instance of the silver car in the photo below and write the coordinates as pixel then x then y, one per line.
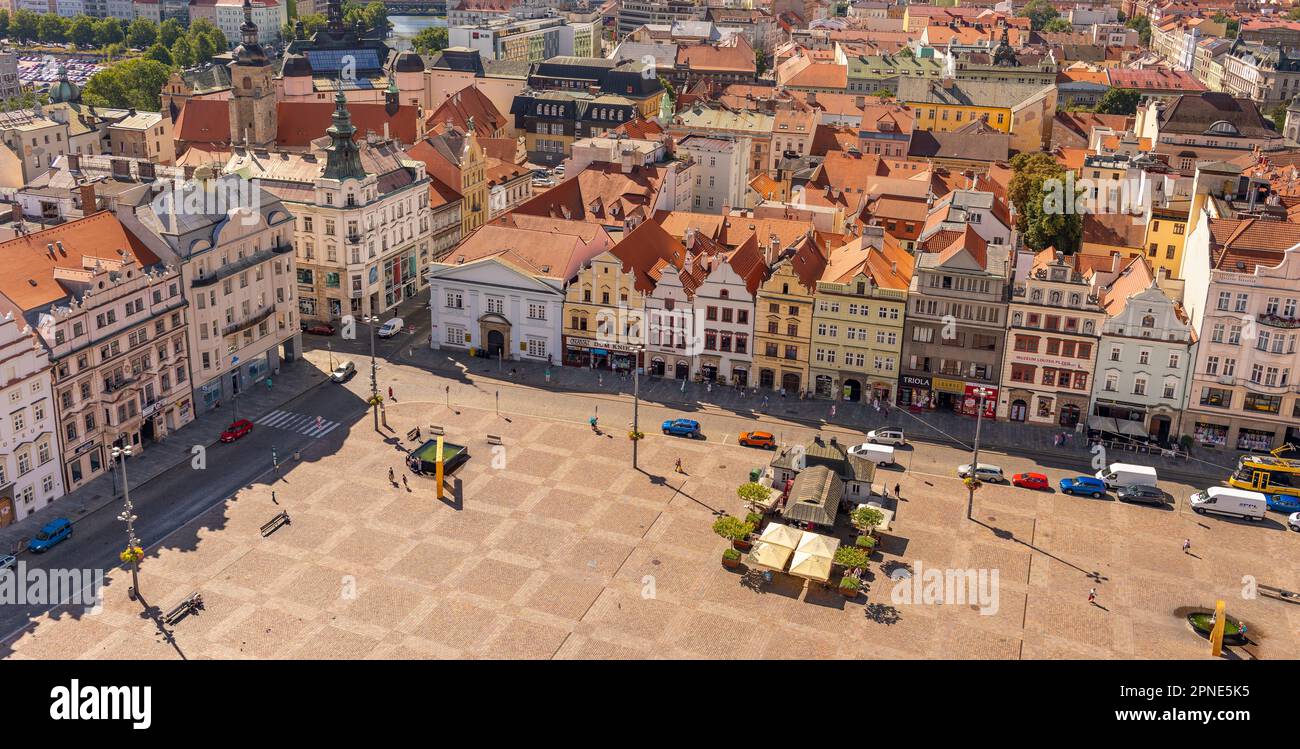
pixel 983 472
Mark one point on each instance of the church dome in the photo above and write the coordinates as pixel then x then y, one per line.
pixel 250 54
pixel 408 62
pixel 64 90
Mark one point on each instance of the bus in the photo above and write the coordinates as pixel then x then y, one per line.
pixel 1270 474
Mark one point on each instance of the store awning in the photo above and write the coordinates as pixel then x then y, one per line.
pixel 1132 428
pixel 1103 424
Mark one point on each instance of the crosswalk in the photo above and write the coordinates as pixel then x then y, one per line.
pixel 312 426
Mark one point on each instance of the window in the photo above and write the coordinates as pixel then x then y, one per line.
pixel 454 300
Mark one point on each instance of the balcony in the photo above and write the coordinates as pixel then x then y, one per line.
pixel 352 238
pixel 243 264
pixel 1277 321
pixel 256 318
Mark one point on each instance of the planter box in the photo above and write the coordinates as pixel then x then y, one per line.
pixel 729 563
pixel 742 545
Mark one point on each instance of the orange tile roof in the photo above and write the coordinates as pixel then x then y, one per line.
pixel 601 193
pixel 440 193
pixel 765 186
pixel 829 138
pixel 1135 277
pixel 646 251
pixel 821 75
pixel 641 129
pixel 677 222
pixel 27 274
pixel 460 107
pixel 298 123
pixel 734 56
pixel 1238 245
pixel 971 242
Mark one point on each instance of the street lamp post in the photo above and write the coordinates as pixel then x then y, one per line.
pixel 370 321
pixel 980 395
pixel 234 373
pixel 636 400
pixel 129 517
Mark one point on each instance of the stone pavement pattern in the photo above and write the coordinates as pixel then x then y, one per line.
pixel 563 551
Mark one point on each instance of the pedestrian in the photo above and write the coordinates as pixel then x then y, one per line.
pixel 273 499
pixel 1242 631
pixel 1187 545
pixel 898 491
pixel 593 421
pixel 783 392
pixel 392 479
pixel 408 486
pixel 1092 596
pixel 390 392
pixel 832 410
pixel 678 467
pixel 512 373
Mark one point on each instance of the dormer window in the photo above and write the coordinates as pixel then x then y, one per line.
pixel 1223 127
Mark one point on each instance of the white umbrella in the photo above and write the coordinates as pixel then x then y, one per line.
pixel 818 545
pixel 811 567
pixel 778 534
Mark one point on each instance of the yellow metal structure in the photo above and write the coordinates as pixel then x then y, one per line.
pixel 438 473
pixel 1216 634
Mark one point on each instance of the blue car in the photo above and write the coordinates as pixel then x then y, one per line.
pixel 1283 503
pixel 1093 487
pixel 54 531
pixel 683 428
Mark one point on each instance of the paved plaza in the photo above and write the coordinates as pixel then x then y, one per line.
pixel 551 546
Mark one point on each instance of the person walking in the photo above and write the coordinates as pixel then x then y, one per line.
pixel 404 484
pixel 1092 596
pixel 898 491
pixel 678 467
pixel 593 420
pixel 392 478
pixel 390 392
pixel 1187 545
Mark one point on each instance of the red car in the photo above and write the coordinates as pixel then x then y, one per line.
pixel 237 430
pixel 1030 480
pixel 321 329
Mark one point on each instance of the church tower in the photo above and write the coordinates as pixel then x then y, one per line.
pixel 252 91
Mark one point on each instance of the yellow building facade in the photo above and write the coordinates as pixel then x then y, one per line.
pixel 783 318
pixel 603 313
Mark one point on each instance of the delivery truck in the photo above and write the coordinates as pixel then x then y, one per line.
pixel 1124 474
pixel 1225 500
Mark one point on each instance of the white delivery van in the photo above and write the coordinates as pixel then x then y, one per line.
pixel 390 328
pixel 1124 474
pixel 1224 500
pixel 881 455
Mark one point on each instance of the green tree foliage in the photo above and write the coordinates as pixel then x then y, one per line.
pixel 1040 13
pixel 23 26
pixel 108 31
pixel 130 83
pixel 142 33
pixel 182 53
pixel 81 31
pixel 1142 25
pixel 1278 116
pixel 1037 192
pixel 158 52
pixel 1119 101
pixel 169 31
pixel 760 61
pixel 311 23
pixel 52 28
pixel 4 21
pixel 1058 25
pixel 430 40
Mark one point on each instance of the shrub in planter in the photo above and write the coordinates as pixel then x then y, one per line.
pixel 849 587
pixel 732 528
pixel 867 518
pixel 754 519
pixel 731 558
pixel 753 493
pixel 866 543
pixel 851 556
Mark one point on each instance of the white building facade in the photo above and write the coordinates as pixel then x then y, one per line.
pixel 30 475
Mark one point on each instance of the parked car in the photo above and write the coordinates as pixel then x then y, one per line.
pixel 54 532
pixel 236 430
pixel 390 328
pixel 984 472
pixel 1089 485
pixel 7 561
pixel 1030 480
pixel 321 329
pixel 758 439
pixel 1143 493
pixel 683 428
pixel 1283 503
pixel 343 372
pixel 1294 521
pixel 886 436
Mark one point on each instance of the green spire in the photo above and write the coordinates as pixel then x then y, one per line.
pixel 342 159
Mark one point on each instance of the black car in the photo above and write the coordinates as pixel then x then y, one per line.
pixel 1141 493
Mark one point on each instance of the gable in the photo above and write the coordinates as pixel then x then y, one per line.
pixel 493 273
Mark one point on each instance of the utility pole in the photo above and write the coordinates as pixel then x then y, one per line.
pixel 370 321
pixel 129 517
pixel 980 395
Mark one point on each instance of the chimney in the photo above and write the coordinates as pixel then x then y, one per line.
pixel 812 97
pixel 88 202
pixel 859 101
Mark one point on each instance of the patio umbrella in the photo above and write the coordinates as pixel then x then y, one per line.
pixel 818 545
pixel 778 534
pixel 811 567
pixel 769 556
pixel 1130 428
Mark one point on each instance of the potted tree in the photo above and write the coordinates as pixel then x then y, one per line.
pixel 851 557
pixel 849 586
pixel 734 530
pixel 753 494
pixel 866 519
pixel 755 519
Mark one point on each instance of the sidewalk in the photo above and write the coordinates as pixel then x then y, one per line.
pixel 929 426
pixel 294 379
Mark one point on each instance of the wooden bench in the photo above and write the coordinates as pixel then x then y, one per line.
pixel 275 523
pixel 436 430
pixel 494 439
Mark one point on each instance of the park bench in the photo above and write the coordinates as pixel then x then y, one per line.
pixel 274 524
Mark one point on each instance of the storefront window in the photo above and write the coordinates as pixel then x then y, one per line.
pixel 1269 404
pixel 1254 439
pixel 1211 434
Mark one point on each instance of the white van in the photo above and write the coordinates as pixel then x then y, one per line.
pixel 1224 500
pixel 881 455
pixel 390 328
pixel 1125 474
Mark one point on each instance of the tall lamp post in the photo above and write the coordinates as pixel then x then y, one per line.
pixel 129 517
pixel 371 321
pixel 234 373
pixel 636 399
pixel 980 395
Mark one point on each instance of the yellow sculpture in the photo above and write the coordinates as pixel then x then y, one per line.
pixel 1216 634
pixel 438 472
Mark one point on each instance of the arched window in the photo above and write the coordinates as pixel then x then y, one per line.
pixel 1149 321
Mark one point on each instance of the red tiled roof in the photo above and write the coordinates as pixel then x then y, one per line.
pixel 1154 79
pixel 298 122
pixel 970 241
pixel 646 251
pixel 459 107
pixel 1239 245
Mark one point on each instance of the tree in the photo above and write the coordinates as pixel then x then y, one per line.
pixel 906 52
pixel 52 28
pixel 182 53
pixel 1046 216
pixel 142 33
pixel 203 49
pixel 1058 25
pixel 4 21
pixel 1294 13
pixel 430 40
pixel 753 494
pixel 23 26
pixel 1278 116
pixel 1233 25
pixel 108 31
pixel 169 31
pixel 1119 101
pixel 866 518
pixel 760 61
pixel 158 52
pixel 1040 12
pixel 81 31
pixel 131 83
pixel 1142 25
